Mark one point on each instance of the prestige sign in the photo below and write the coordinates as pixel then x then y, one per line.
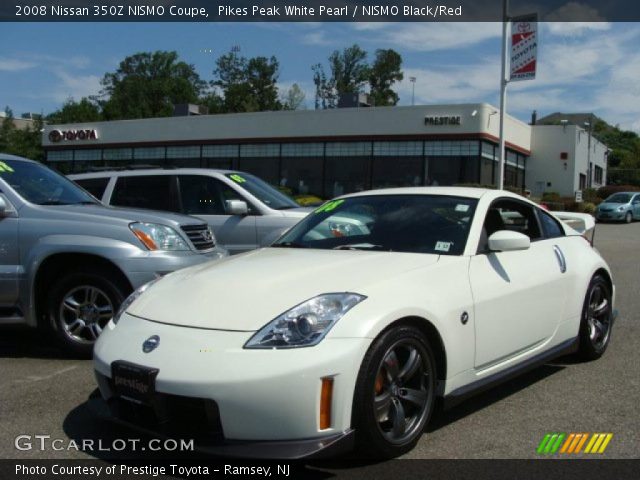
pixel 56 136
pixel 443 120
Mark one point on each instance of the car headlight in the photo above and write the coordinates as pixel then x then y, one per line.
pixel 621 208
pixel 132 298
pixel 158 237
pixel 306 324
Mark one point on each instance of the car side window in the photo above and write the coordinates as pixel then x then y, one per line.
pixel 509 215
pixel 550 226
pixel 95 186
pixel 155 192
pixel 204 195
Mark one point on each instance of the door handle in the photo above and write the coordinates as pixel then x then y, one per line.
pixel 562 262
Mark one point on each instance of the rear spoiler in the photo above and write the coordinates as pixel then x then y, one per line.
pixel 582 223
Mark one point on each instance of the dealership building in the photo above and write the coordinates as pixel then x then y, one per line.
pixel 331 152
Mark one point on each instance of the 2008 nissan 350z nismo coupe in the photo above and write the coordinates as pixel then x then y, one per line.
pixel 345 331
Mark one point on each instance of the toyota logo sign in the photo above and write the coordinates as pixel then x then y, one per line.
pixel 56 136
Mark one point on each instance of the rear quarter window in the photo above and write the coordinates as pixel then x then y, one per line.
pixel 550 226
pixel 154 192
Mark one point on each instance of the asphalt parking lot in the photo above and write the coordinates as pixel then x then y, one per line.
pixel 44 393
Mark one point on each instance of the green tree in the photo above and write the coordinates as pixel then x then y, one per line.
pixel 26 142
pixel 86 110
pixel 7 127
pixel 294 98
pixel 349 71
pixel 247 84
pixel 385 71
pixel 148 85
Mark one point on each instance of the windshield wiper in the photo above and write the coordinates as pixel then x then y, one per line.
pixel 361 246
pixel 289 245
pixel 54 202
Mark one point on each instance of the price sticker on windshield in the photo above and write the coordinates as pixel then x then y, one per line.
pixel 443 246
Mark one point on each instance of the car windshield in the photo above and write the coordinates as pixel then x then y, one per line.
pixel 400 223
pixel 263 191
pixel 619 198
pixel 41 185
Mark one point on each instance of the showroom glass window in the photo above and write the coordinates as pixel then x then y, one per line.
pixel 301 169
pixel 397 164
pixel 84 159
pixel 348 167
pixel 187 156
pixel 263 160
pixel 452 162
pixel 149 156
pixel 220 156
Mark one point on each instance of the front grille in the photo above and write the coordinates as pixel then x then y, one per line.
pixel 172 415
pixel 200 236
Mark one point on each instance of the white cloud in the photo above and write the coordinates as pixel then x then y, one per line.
pixel 575 29
pixel 429 37
pixel 317 37
pixel 574 11
pixel 74 86
pixel 14 65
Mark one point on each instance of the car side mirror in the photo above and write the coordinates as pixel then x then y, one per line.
pixel 507 241
pixel 237 207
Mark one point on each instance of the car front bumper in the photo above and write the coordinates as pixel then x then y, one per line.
pixel 253 400
pixel 611 215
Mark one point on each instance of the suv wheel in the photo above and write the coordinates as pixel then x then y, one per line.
pixel 79 306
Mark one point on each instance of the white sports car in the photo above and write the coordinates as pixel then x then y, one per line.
pixel 348 327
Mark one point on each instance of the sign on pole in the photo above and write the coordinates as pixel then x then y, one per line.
pixel 524 47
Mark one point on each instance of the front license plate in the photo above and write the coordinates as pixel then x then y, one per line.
pixel 133 382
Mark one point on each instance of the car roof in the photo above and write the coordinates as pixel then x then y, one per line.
pixel 6 156
pixel 469 192
pixel 151 171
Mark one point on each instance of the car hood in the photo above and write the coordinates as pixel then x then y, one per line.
pixel 245 292
pixel 299 212
pixel 117 215
pixel 611 205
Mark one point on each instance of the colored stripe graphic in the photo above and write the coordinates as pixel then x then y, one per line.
pixel 550 443
pixel 572 443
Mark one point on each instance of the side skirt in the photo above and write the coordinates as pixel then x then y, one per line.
pixel 461 394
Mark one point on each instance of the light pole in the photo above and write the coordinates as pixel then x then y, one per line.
pixel 503 92
pixel 589 126
pixel 413 90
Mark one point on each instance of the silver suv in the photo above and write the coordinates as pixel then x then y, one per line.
pixel 68 262
pixel 244 211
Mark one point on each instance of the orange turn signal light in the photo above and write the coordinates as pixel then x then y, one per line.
pixel 145 239
pixel 326 397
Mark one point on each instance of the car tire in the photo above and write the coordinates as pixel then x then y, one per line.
pixel 597 320
pixel 79 305
pixel 395 393
pixel 628 218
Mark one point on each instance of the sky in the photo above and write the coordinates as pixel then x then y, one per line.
pixel 582 67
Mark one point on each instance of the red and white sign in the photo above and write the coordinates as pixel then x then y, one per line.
pixel 524 47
